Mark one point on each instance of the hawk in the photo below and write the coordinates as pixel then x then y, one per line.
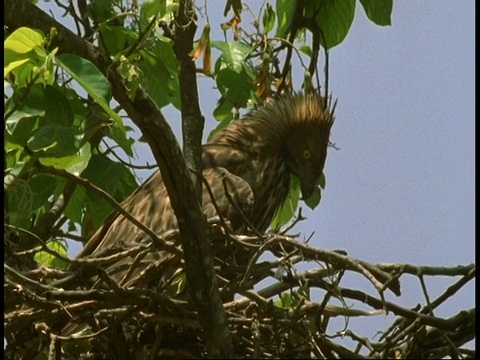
pixel 247 169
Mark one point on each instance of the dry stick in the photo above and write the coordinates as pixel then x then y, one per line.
pixel 451 290
pixel 427 270
pixel 132 267
pixel 253 260
pixel 53 347
pixel 170 320
pixel 102 261
pixel 80 337
pixel 356 295
pixel 370 271
pixel 156 344
pixel 62 234
pixel 451 344
pixel 428 307
pixel 110 150
pixel 325 301
pixel 397 309
pixel 341 350
pixel 437 302
pixel 31 251
pixel 297 219
pixel 45 272
pixel 116 256
pixel 362 340
pixel 43 246
pixel 332 257
pixel 12 274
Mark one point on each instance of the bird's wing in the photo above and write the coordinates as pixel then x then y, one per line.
pixel 232 195
pixel 149 204
pixel 227 195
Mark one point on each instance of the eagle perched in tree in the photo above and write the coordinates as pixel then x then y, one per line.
pixel 248 167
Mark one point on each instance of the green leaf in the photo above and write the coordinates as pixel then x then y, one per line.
pixel 285 11
pixel 26 57
pixel 96 212
pixel 28 197
pixel 73 164
pixel 42 187
pixel 304 291
pixel 44 118
pixel 55 140
pixel 284 301
pixel 19 115
pixel 121 138
pixel 236 87
pixel 87 75
pixel 56 105
pixel 164 49
pixel 314 199
pixel 160 74
pixel 378 11
pixel 46 259
pixel 334 18
pixel 322 181
pixel 268 18
pixel 103 11
pixel 116 38
pixel 307 50
pixel 91 79
pixel 12 173
pixel 14 65
pixel 223 112
pixel 288 208
pixel 43 101
pixel 20 131
pixel 116 179
pixel 178 285
pixel 113 177
pixel 74 209
pixel 234 53
pixel 221 125
pixel 161 9
pixel 20 199
pixel 23 40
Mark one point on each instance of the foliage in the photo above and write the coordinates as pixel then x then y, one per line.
pixel 68 152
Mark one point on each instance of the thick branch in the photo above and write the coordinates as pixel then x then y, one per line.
pixel 198 256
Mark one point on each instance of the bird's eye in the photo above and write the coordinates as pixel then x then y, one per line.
pixel 306 154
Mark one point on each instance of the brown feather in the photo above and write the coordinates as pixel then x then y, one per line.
pixel 255 156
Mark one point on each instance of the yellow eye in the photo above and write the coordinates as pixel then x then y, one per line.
pixel 306 154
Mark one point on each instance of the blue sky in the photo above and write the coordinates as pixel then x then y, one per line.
pixel 401 187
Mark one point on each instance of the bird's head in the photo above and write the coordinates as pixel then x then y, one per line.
pixel 308 123
pixel 306 154
pixel 293 130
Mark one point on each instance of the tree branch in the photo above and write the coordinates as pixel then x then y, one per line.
pixel 202 281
